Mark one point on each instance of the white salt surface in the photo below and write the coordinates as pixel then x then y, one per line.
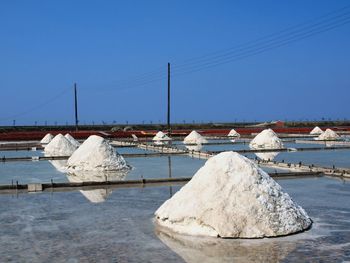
pixel 233 133
pixel 230 196
pixel 47 139
pixel 194 138
pixel 317 130
pixel 328 135
pixel 72 140
pixel 59 146
pixel 266 139
pixel 96 154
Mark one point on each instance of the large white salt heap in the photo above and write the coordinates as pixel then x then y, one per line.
pixel 233 133
pixel 59 146
pixel 316 131
pixel 96 154
pixel 231 197
pixel 194 138
pixel 328 135
pixel 72 140
pixel 47 139
pixel 266 139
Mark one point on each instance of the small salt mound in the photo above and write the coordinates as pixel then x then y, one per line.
pixel 316 130
pixel 72 140
pixel 47 138
pixel 233 133
pixel 328 135
pixel 59 146
pixel 194 138
pixel 230 196
pixel 266 139
pixel 96 154
pixel 161 136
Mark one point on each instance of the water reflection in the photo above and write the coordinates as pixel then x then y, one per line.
pixel 170 176
pixel 96 195
pixel 266 156
pixel 202 249
pixel 196 147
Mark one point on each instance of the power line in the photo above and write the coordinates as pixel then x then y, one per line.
pixel 39 106
pixel 281 38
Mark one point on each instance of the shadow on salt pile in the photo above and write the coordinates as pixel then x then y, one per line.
pixel 96 195
pixel 200 249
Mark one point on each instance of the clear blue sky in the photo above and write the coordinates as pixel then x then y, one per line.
pixel 107 46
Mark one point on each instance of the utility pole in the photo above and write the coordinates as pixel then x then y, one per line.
pixel 76 106
pixel 168 115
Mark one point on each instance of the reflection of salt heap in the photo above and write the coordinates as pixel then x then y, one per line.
pixel 96 195
pixel 268 156
pixel 209 250
pixel 266 139
pixel 161 138
pixel 230 196
pixel 316 131
pixel 328 135
pixel 59 146
pixel 96 154
pixel 196 147
pixel 47 138
pixel 194 138
pixel 72 140
pixel 233 133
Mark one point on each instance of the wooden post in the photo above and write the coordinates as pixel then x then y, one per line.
pixel 76 106
pixel 168 115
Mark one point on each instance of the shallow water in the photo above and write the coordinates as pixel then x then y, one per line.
pixel 68 227
pixel 144 167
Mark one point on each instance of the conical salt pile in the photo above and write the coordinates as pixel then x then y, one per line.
pixel 317 130
pixel 96 154
pixel 161 138
pixel 230 196
pixel 194 138
pixel 59 146
pixel 233 133
pixel 47 138
pixel 72 140
pixel 266 139
pixel 328 135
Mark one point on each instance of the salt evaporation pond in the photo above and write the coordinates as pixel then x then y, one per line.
pixel 339 158
pixel 150 167
pixel 67 227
